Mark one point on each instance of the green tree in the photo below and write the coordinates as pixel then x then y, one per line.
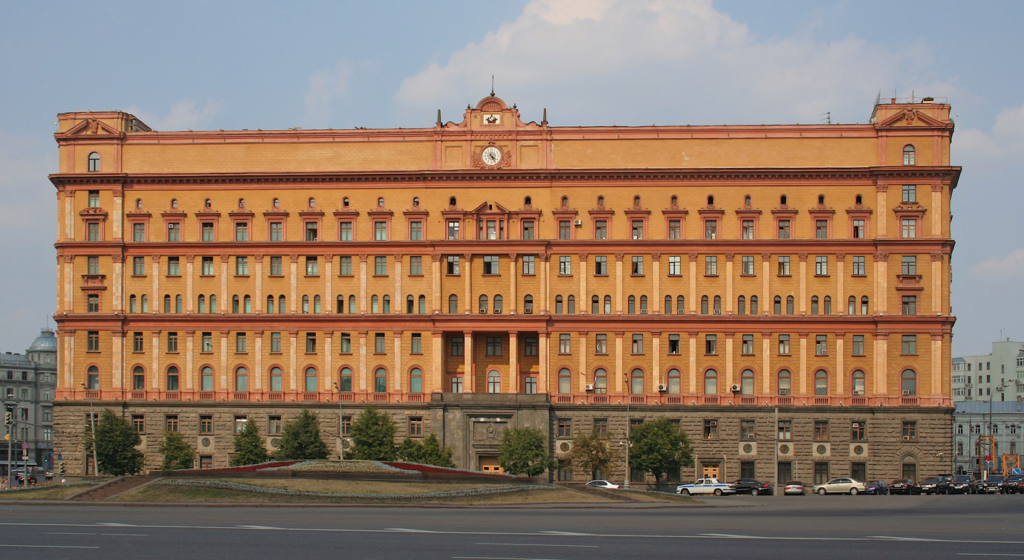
pixel 524 451
pixel 659 447
pixel 178 454
pixel 300 439
pixel 249 448
pixel 373 436
pixel 589 454
pixel 429 452
pixel 115 445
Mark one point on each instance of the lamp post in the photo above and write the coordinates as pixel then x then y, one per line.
pixel 625 377
pixel 92 422
pixel 341 425
pixel 991 436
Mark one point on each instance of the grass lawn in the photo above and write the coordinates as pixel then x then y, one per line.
pixel 355 486
pixel 48 492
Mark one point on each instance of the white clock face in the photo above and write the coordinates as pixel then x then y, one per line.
pixel 491 155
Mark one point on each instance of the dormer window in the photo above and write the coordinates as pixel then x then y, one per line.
pixel 415 202
pixel 312 202
pixel 94 162
pixel 908 155
pixel 277 203
pixel 380 202
pixel 782 200
pixel 208 203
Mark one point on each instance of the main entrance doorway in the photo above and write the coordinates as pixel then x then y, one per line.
pixel 710 471
pixel 490 464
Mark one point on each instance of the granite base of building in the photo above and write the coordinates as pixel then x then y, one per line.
pixel 728 441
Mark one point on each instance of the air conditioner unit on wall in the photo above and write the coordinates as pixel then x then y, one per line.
pixel 735 388
pixel 578 222
pixel 590 387
pixel 662 388
pixel 783 392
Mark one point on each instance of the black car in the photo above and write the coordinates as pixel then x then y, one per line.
pixel 1014 484
pixel 905 486
pixel 957 485
pixel 927 486
pixel 877 488
pixel 752 487
pixel 992 485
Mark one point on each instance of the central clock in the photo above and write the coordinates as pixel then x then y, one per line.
pixel 491 155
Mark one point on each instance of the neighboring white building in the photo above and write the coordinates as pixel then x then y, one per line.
pixel 973 419
pixel 998 375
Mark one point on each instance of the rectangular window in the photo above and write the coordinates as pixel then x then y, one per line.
pixel 821 430
pixel 346 343
pixel 139 266
pixel 858 431
pixel 207 342
pixel 910 305
pixel 638 229
pixel 494 346
pixel 675 230
pixel 380 231
pixel 748 429
pixel 207 229
pixel 821 345
pixel 275 343
pixel 93 341
pixel 711 266
pixel 240 422
pixel 783 266
pixel 711 344
pixel 910 431
pixel 909 344
pixel 453 265
pixel 380 266
pixel 528 229
pixel 529 265
pixel 94 199
pixel 711 429
pixel 174 231
pixel 564 344
pixel 241 231
pixel 93 265
pixel 530 346
pixel 491 265
pixel 344 266
pixel 311 231
pixel 276 231
pixel 909 228
pixel 909 265
pixel 453 229
pixel 858 229
pixel 821 229
pixel 748 344
pixel 783 344
pixel 909 193
pixel 240 343
pixel 858 266
pixel 673 344
pixel 416 231
pixel 858 345
pixel 345 232
pixel 379 343
pixel 564 428
pixel 172 342
pixel 241 266
pixel 785 430
pixel 565 229
pixel 206 424
pixel 821 266
pixel 675 266
pixel 415 426
pixel 415 266
pixel 207 266
pixel 600 427
pixel 92 303
pixel 137 342
pixel 312 266
pixel 457 346
pixel 638 344
pixel 748 229
pixel 859 471
pixel 138 232
pixel 171 423
pixel 273 425
pixel 601 344
pixel 711 229
pixel 747 265
pixel 638 265
pixel 600 266
pixel 276 267
pixel 416 346
pixel 783 229
pixel 93 231
pixel 601 229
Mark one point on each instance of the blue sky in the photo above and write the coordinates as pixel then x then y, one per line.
pixel 232 65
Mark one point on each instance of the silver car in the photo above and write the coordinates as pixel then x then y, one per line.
pixel 841 486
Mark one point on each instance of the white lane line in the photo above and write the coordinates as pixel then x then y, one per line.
pixel 908 539
pixel 70 533
pixel 116 524
pixel 123 535
pixel 986 554
pixel 567 533
pixel 41 546
pixel 771 538
pixel 536 544
pixel 404 530
pixel 498 558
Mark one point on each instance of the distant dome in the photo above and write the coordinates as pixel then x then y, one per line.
pixel 45 342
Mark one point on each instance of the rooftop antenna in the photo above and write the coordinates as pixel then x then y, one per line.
pixel 828 117
pixel 492 85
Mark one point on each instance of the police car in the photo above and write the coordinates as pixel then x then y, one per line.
pixel 706 486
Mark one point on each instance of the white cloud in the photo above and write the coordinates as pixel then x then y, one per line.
pixel 669 61
pixel 1011 265
pixel 184 115
pixel 325 86
pixel 1006 139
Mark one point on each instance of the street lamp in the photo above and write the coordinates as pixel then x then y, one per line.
pixel 92 422
pixel 341 425
pixel 625 377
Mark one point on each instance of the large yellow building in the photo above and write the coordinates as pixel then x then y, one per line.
pixel 495 272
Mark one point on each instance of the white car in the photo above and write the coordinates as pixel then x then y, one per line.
pixel 841 486
pixel 603 484
pixel 706 486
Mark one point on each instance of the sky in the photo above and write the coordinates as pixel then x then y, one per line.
pixel 273 65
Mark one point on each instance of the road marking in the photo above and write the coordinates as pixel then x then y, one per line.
pixel 567 533
pixel 986 554
pixel 116 524
pixel 909 539
pixel 123 535
pixel 41 546
pixel 404 530
pixel 262 527
pixel 70 533
pixel 536 544
pixel 498 558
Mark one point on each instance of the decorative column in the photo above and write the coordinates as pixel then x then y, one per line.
pixel 69 215
pixel 467 275
pixel 693 284
pixel 224 302
pixel 513 277
pixel 362 292
pixel 258 303
pixel 294 282
pixel 327 375
pixel 155 298
pixel 513 358
pixel 118 216
pixel 328 288
pixel 117 360
pixel 881 230
pixel 581 389
pixel 617 374
pixel 618 292
pixel 469 376
pixel 936 210
pixel 656 305
pixel 728 360
pixel 803 283
pixel 190 341
pixel 399 304
pixel 258 336
pixel 582 299
pixel 840 340
pixel 224 362
pixel 766 298
pixel 435 274
pixel 691 337
pixel 803 364
pixel 155 368
pixel 937 373
pixel 656 373
pixel 118 283
pixel 398 373
pixel 729 257
pixel 437 363
pixel 766 373
pixel 881 364
pixel 544 261
pixel 362 360
pixel 292 363
pixel 881 283
pixel 936 290
pixel 839 301
pixel 544 353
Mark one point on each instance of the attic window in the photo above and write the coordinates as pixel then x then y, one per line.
pixel 821 199
pixel 138 203
pixel 241 203
pixel 782 200
pixel 528 201
pixel 565 201
pixel 451 201
pixel 711 200
pixel 312 202
pixel 908 155
pixel 344 202
pixel 174 203
pixel 860 200
pixel 208 203
pixel 380 202
pixel 746 200
pixel 94 162
pixel 415 202
pixel 277 203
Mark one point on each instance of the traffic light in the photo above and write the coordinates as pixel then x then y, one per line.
pixel 62 469
pixel 8 418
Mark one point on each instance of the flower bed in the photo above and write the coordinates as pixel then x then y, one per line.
pixel 432 469
pixel 246 468
pixel 47 485
pixel 462 493
pixel 359 467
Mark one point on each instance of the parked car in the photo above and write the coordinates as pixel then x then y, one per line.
pixel 992 485
pixel 752 487
pixel 603 484
pixel 960 484
pixel 877 488
pixel 927 486
pixel 905 486
pixel 793 488
pixel 1014 484
pixel 840 486
pixel 706 486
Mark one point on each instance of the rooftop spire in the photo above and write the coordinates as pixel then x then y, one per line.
pixel 492 85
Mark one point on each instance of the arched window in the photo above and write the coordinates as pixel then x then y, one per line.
pixel 172 378
pixel 145 303
pixel 860 200
pixel 908 382
pixel 814 305
pixel 312 202
pixel 453 303
pixel 451 201
pixel 741 305
pixel 778 305
pixel 784 382
pixel 275 379
pixel 564 381
pixel 316 304
pixel 138 204
pixel 746 200
pixel 346 380
pixel 234 304
pixel 747 382
pixel 177 303
pixel 528 201
pixel 636 382
pixel 380 202
pixel 483 304
pixel 600 381
pixel 853 306
pixel 789 305
pixel 960 448
pixel 565 201
pixel 718 305
pixel 711 382
pixel 821 383
pixel 493 381
pixel 174 203
pixel 858 383
pixel 636 202
pixel 247 304
pixel 270 304
pixel 138 379
pixel 206 376
pixel 167 303
pixel 631 305
pixel 311 385
pixel 711 200
pixel 643 305
pixel 276 203
pixel 782 200
pixel 351 304
pixel 374 304
pixel 674 201
pixel 527 304
pixel 753 305
pixel 415 202
pixel 821 199
pixel 241 203
pixel 241 379
pixel 600 201
pixel 680 305
pixel 208 203
pixel 423 303
pixel 345 202
pixel 674 382
pixel 595 305
pixel 410 303
pixel 908 155
pixel 703 305
pixel 571 305
pixel 131 304
pixel 93 378
pixel 558 305
pixel 827 309
pixel 213 303
pixel 607 304
pixel 201 301
pixel 305 304
pixel 387 304
pixel 416 380
pixel 498 304
pixel 94 162
pixel 864 305
pixel 281 305
pixel 668 305
pixel 339 306
pixel 380 381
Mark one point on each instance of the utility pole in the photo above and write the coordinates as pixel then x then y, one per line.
pixel 92 422
pixel 625 377
pixel 341 424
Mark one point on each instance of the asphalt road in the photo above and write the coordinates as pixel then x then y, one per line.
pixel 835 527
